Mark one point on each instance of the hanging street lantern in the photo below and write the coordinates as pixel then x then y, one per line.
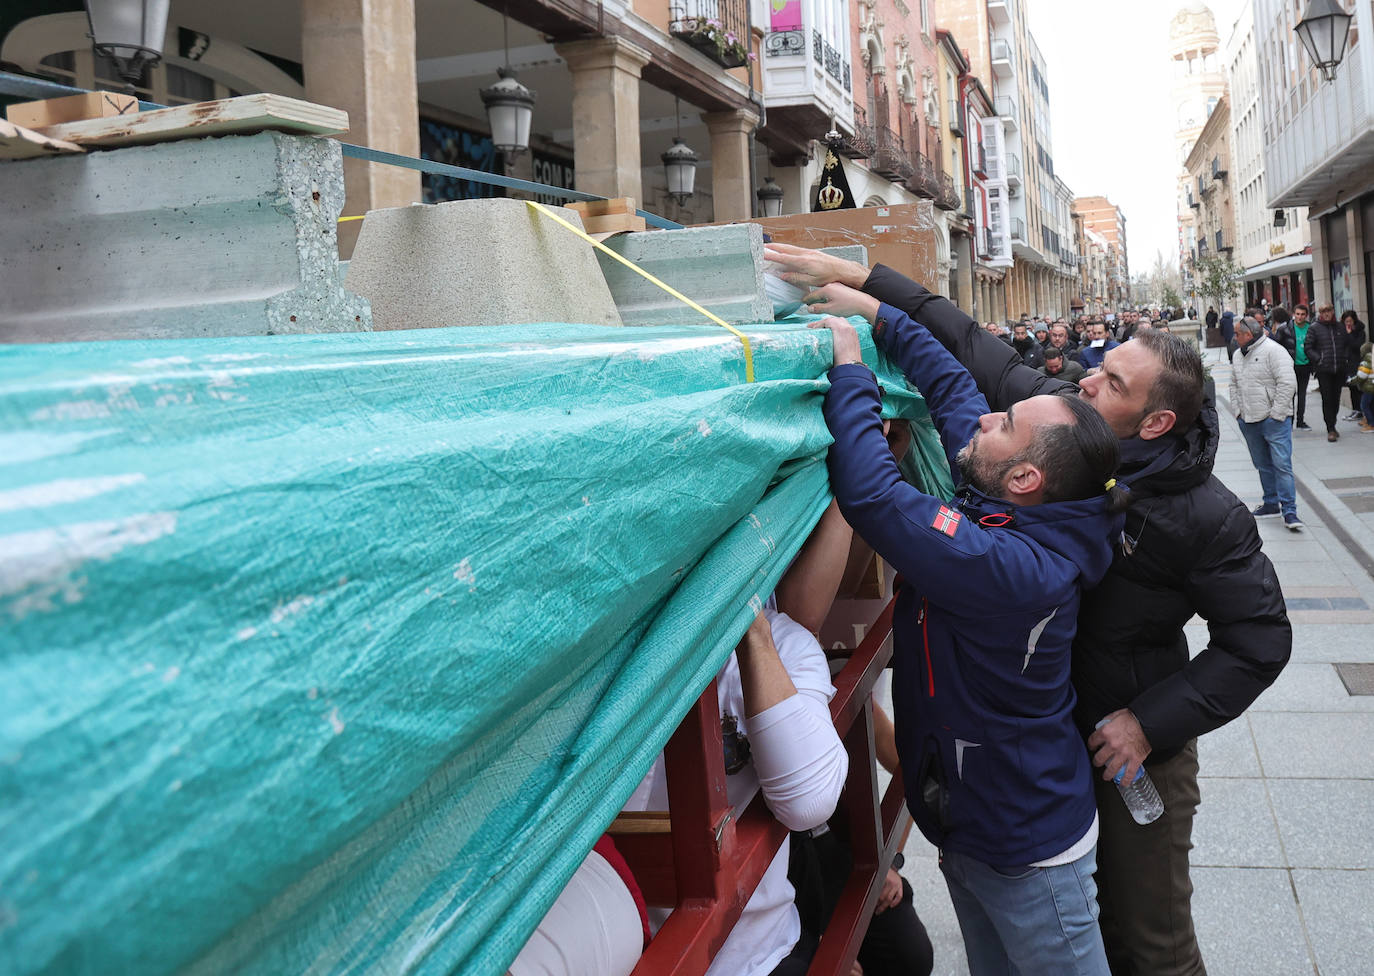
pixel 1324 31
pixel 680 166
pixel 770 198
pixel 510 105
pixel 130 33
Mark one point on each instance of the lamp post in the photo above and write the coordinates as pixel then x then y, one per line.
pixel 680 163
pixel 770 198
pixel 509 104
pixel 130 33
pixel 1324 31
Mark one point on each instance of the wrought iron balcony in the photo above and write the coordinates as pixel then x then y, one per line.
pixel 718 29
pixel 863 143
pixel 1218 168
pixel 1193 201
pixel 1223 244
pixel 891 158
pixel 948 197
pixel 970 204
pixel 980 159
pixel 924 183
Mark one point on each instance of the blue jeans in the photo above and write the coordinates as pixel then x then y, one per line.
pixel 1029 921
pixel 1271 449
pixel 1367 407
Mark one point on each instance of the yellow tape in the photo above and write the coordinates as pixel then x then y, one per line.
pixel 748 350
pixel 359 217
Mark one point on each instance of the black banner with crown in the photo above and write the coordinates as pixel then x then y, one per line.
pixel 833 193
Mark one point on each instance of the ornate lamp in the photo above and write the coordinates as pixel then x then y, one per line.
pixel 509 104
pixel 680 165
pixel 770 198
pixel 130 33
pixel 1324 30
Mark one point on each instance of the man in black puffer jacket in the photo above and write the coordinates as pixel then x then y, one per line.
pixel 1190 546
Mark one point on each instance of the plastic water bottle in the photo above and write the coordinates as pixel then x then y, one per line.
pixel 1141 797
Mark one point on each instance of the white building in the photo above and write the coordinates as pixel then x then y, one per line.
pixel 1276 257
pixel 1318 140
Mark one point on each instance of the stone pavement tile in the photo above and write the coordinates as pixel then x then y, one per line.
pixel 1362 618
pixel 1320 592
pixel 1336 909
pixel 1229 752
pixel 1325 642
pixel 1248 923
pixel 1315 744
pixel 1325 823
pixel 1234 826
pixel 1311 686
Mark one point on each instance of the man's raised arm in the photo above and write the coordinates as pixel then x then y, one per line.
pixel 996 367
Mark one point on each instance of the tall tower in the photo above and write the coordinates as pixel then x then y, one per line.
pixel 1199 81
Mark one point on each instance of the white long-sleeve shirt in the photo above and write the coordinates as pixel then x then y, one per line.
pixel 799 763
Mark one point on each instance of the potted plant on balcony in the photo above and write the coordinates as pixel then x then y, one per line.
pixel 713 39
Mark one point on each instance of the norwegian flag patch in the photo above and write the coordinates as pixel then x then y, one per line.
pixel 947 521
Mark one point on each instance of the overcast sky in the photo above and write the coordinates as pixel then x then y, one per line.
pixel 1110 107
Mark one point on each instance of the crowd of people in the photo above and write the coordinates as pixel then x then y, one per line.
pixel 1039 658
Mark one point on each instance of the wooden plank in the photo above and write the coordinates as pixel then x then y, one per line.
pixel 72 108
pixel 613 224
pixel 17 142
pixel 644 822
pixel 231 116
pixel 603 208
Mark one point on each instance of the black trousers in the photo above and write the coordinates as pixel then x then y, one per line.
pixel 1330 385
pixel 1304 374
pixel 896 943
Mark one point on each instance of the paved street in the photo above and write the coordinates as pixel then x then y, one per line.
pixel 1284 857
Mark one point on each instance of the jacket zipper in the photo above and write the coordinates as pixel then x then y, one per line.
pixel 925 639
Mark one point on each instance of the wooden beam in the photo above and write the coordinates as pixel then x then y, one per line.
pixel 230 116
pixel 17 142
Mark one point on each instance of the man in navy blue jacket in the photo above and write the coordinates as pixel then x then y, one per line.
pixel 996 772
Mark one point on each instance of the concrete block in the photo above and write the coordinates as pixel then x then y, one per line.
pixel 202 237
pixel 720 268
pixel 476 262
pixel 850 252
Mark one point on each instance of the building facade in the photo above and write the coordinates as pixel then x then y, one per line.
pixel 1318 139
pixel 1213 230
pixel 1199 82
pixel 1273 246
pixel 1105 219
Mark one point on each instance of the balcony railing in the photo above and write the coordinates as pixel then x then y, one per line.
pixel 1223 244
pixel 1193 201
pixel 718 29
pixel 863 143
pixel 980 159
pixel 1005 106
pixel 1013 164
pixel 948 197
pixel 891 158
pixel 956 117
pixel 1001 57
pixel 1218 168
pixel 924 183
pixel 1018 229
pixel 970 204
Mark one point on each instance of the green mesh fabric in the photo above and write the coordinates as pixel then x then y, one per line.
pixel 335 654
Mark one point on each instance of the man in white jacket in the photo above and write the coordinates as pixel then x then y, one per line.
pixel 1262 388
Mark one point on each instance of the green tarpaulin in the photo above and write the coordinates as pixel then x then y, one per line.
pixel 334 654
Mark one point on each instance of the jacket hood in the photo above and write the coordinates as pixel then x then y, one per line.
pixel 1081 531
pixel 1175 462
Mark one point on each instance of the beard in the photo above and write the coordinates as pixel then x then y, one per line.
pixel 986 476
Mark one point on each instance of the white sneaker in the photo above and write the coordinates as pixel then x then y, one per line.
pixel 1353 415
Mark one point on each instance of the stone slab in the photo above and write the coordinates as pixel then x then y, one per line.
pixel 202 237
pixel 1248 922
pixel 477 262
pixel 1229 751
pixel 1328 745
pixel 719 268
pixel 1310 686
pixel 1234 826
pixel 1325 823
pixel 1335 906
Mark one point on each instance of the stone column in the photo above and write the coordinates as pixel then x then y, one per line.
pixel 359 55
pixel 1321 269
pixel 605 107
pixel 965 272
pixel 730 189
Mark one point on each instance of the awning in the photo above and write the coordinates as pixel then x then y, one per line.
pixel 1283 265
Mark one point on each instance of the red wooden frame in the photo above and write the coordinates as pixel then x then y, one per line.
pixel 711 862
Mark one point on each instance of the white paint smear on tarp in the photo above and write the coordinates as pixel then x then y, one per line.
pixel 64 490
pixel 39 566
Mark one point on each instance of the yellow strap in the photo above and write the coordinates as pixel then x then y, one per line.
pixel 748 350
pixel 359 217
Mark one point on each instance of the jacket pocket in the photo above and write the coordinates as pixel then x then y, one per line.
pixel 933 784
